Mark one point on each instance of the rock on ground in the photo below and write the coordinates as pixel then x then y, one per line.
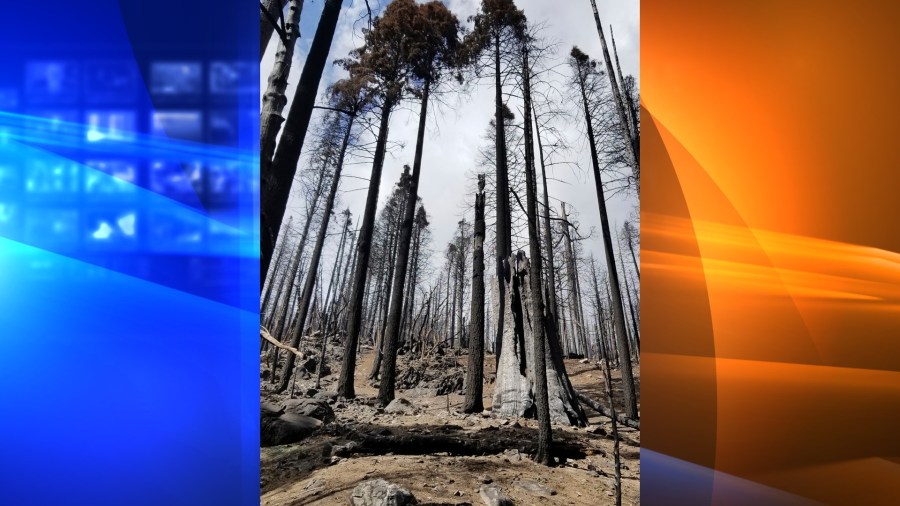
pixel 316 408
pixel 400 406
pixel 380 493
pixel 285 428
pixel 534 488
pixel 492 496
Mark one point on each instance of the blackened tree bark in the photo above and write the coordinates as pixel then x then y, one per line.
pixel 273 101
pixel 581 64
pixel 266 28
pixel 310 283
pixel 393 225
pixel 277 174
pixel 629 100
pixel 624 120
pixel 475 370
pixel 363 253
pixel 539 362
pixel 331 286
pixel 630 236
pixel 392 335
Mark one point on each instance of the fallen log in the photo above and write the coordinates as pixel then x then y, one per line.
pixel 603 410
pixel 462 444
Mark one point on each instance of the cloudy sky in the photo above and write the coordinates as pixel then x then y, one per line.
pixel 456 130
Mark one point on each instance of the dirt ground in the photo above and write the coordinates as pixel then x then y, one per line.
pixel 301 474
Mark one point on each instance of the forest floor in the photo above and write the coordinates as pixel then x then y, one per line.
pixel 306 473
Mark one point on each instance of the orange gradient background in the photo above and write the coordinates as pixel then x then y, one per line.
pixel 770 228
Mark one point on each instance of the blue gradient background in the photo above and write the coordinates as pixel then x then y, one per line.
pixel 128 362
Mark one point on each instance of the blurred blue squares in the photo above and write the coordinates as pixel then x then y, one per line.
pixel 233 78
pixel 176 79
pixel 52 82
pixel 176 232
pixel 179 180
pixel 110 125
pixel 51 180
pixel 10 181
pixel 110 178
pixel 54 228
pixel 181 125
pixel 9 99
pixel 113 81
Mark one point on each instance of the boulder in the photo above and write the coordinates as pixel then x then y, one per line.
pixel 400 406
pixel 492 496
pixel 285 428
pixel 534 488
pixel 329 397
pixel 380 493
pixel 316 408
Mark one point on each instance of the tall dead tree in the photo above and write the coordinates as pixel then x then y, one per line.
pixel 634 323
pixel 537 316
pixel 383 60
pixel 574 295
pixel 274 100
pixel 277 173
pixel 392 219
pixel 438 31
pixel 584 70
pixel 475 369
pixel 348 95
pixel 624 117
pixel 331 286
pixel 631 107
pixel 497 25
pixel 270 12
pixel 631 235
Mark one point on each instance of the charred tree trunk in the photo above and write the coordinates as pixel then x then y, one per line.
pixel 363 246
pixel 607 377
pixel 316 257
pixel 461 288
pixel 277 174
pixel 274 8
pixel 577 322
pixel 629 101
pixel 389 361
pixel 617 305
pixel 634 325
pixel 273 101
pixel 475 370
pixel 331 286
pixel 503 218
pixel 552 304
pixel 452 313
pixel 388 282
pixel 620 103
pixel 537 318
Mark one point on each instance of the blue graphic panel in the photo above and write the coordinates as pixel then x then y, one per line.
pixel 129 252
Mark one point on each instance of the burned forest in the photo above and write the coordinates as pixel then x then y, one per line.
pixel 450 292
